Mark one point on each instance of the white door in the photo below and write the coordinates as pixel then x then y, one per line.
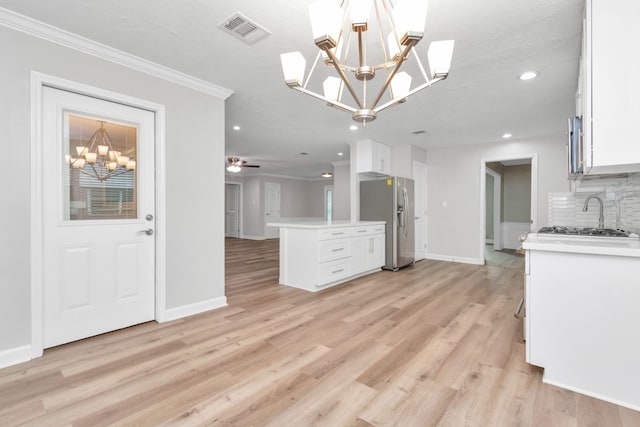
pixel 420 194
pixel 232 210
pixel 98 216
pixel 271 209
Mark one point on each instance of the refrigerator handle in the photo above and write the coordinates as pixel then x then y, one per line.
pixel 405 210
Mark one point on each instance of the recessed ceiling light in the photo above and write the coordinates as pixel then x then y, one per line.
pixel 236 127
pixel 353 127
pixel 340 154
pixel 326 174
pixel 528 75
pixel 506 135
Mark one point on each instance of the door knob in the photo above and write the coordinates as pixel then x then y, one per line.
pixel 149 217
pixel 148 231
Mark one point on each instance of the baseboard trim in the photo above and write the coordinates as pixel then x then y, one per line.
pixel 462 260
pixel 13 356
pixel 191 309
pixel 246 236
pixel 590 394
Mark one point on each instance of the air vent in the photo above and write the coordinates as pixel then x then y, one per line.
pixel 243 28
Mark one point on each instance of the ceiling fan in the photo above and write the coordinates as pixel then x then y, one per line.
pixel 235 164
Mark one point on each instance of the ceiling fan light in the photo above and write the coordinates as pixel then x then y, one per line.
pixel 326 19
pixel 410 17
pixel 360 11
pixel 233 168
pixel 439 56
pixel 332 88
pixel 293 68
pixel 400 85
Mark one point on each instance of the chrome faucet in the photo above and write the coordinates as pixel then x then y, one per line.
pixel 586 207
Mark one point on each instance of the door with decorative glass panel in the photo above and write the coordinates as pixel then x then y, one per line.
pixel 98 209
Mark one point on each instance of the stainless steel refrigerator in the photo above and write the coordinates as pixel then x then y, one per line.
pixel 391 200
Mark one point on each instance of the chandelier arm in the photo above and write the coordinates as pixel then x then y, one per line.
pixel 313 68
pixel 328 101
pixel 387 82
pixel 422 70
pixel 382 43
pixel 411 92
pixel 343 76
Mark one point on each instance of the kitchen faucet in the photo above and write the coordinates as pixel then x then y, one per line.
pixel 586 207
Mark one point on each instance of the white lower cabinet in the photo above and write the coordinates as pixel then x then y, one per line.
pixel 314 259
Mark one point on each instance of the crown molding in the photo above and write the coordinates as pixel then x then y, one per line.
pixel 65 38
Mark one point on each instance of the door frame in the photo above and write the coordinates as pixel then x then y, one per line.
pixel 497 207
pixel 38 82
pixel 240 206
pixel 483 197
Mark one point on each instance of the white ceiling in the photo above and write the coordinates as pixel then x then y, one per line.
pixel 496 40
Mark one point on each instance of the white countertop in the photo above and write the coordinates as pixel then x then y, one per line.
pixel 617 246
pixel 323 224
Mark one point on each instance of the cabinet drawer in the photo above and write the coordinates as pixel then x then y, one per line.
pixel 333 249
pixel 333 270
pixel 334 233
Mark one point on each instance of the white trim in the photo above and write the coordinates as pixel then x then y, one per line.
pixel 196 308
pixel 497 203
pixel 588 393
pixel 13 356
pixel 64 38
pixel 462 260
pixel 240 205
pixel 483 180
pixel 248 237
pixel 38 81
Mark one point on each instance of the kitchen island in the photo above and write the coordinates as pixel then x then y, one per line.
pixel 582 302
pixel 317 255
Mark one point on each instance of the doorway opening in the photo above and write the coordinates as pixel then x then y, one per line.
pixel 233 210
pixel 509 208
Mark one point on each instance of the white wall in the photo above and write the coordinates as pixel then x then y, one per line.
pixel 342 191
pixel 453 177
pixel 516 198
pixel 194 234
pixel 299 198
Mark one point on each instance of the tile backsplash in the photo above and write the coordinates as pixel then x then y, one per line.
pixel 621 199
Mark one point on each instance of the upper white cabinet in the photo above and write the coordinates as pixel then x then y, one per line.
pixel 373 158
pixel 611 89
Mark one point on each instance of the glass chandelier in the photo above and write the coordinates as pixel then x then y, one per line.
pixel 98 158
pixel 337 24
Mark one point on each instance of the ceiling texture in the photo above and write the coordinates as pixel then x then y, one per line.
pixel 496 41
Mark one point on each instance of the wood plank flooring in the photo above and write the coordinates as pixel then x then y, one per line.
pixel 432 345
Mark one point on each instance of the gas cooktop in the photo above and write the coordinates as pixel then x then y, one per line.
pixel 584 231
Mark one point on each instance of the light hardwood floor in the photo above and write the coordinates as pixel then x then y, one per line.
pixel 434 344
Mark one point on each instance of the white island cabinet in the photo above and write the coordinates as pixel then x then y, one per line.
pixel 317 255
pixel 582 306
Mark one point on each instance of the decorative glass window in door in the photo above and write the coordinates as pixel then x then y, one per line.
pixel 100 169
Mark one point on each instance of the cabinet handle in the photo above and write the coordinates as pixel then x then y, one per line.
pixel 337 271
pixel 362 231
pixel 337 250
pixel 337 234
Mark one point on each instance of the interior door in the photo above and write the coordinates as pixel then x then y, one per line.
pixel 271 209
pixel 232 210
pixel 98 209
pixel 420 187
